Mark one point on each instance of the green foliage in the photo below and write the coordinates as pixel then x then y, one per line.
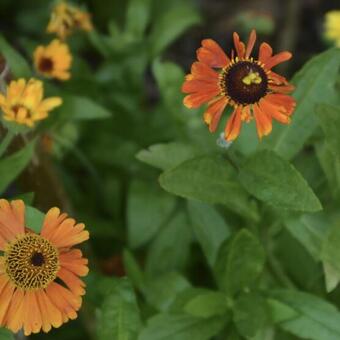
pixel 273 180
pixel 6 334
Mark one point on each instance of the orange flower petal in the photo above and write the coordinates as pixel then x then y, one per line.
pixel 213 113
pixel 233 126
pixel 191 86
pixel 14 317
pixel 263 122
pixel 265 52
pixel 72 282
pixel 282 88
pixel 277 112
pixel 239 45
pixel 74 261
pixel 212 54
pixel 277 59
pixel 250 43
pixel 197 99
pixel 52 220
pixel 202 71
pixel 32 315
pixel 286 102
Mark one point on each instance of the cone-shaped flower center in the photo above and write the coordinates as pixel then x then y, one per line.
pixel 46 65
pixel 245 82
pixel 31 262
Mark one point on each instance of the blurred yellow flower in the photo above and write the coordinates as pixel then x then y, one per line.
pixel 53 60
pixel 66 18
pixel 24 103
pixel 332 26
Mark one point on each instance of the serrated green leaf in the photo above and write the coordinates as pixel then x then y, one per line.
pixel 250 314
pixel 148 208
pixel 209 227
pixel 13 165
pixel 169 25
pixel 5 334
pixel 170 249
pixel 329 117
pixel 18 66
pixel 207 304
pixel 137 17
pixel 82 108
pixel 181 327
pixel 239 262
pixel 275 181
pixel 315 318
pixel 315 83
pixel 163 290
pixel 166 156
pixel 209 179
pixel 119 317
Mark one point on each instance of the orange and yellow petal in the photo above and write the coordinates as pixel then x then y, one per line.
pixel 74 261
pixel 233 126
pixel 212 54
pixel 263 122
pixel 277 59
pixel 214 112
pixel 239 46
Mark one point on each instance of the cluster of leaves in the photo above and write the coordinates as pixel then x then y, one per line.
pixel 217 241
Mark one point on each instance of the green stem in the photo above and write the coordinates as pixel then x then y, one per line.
pixel 5 142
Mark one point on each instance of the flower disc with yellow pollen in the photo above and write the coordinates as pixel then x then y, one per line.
pixel 53 60
pixel 31 262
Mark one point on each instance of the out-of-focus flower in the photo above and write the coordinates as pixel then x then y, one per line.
pixel 53 60
pixel 66 18
pixel 32 267
pixel 248 85
pixel 23 102
pixel 332 26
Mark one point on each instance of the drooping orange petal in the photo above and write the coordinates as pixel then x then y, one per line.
pixel 277 59
pixel 72 281
pixel 250 43
pixel 74 261
pixel 202 71
pixel 213 113
pixel 282 88
pixel 233 127
pixel 288 103
pixel 14 317
pixel 239 45
pixel 265 52
pixel 191 86
pixel 263 122
pixel 197 99
pixel 277 79
pixel 6 292
pixel 277 112
pixel 212 54
pixel 32 315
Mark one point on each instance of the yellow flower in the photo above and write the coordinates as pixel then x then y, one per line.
pixel 66 18
pixel 53 60
pixel 332 26
pixel 24 103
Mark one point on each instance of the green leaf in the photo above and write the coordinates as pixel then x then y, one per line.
pixel 148 208
pixel 137 17
pixel 181 327
pixel 133 270
pixel 163 290
pixel 207 304
pixel 275 181
pixel 170 249
pixel 82 108
pixel 34 218
pixel 166 156
pixel 329 117
pixel 251 314
pixel 5 334
pixel 315 83
pixel 27 197
pixel 240 262
pixel 13 165
pixel 210 179
pixel 18 66
pixel 170 25
pixel 118 318
pixel 315 318
pixel 310 231
pixel 330 255
pixel 209 227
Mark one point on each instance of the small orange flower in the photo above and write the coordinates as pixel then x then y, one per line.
pixel 24 103
pixel 65 18
pixel 248 85
pixel 53 60
pixel 32 267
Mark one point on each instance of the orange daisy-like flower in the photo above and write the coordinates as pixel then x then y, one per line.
pixel 53 60
pixel 249 85
pixel 39 273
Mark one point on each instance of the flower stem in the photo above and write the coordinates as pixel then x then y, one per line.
pixel 5 142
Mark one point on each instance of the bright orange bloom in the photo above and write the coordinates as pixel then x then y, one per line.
pixel 249 85
pixel 39 273
pixel 53 60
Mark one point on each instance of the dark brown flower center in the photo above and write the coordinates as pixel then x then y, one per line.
pixel 46 65
pixel 37 259
pixel 245 82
